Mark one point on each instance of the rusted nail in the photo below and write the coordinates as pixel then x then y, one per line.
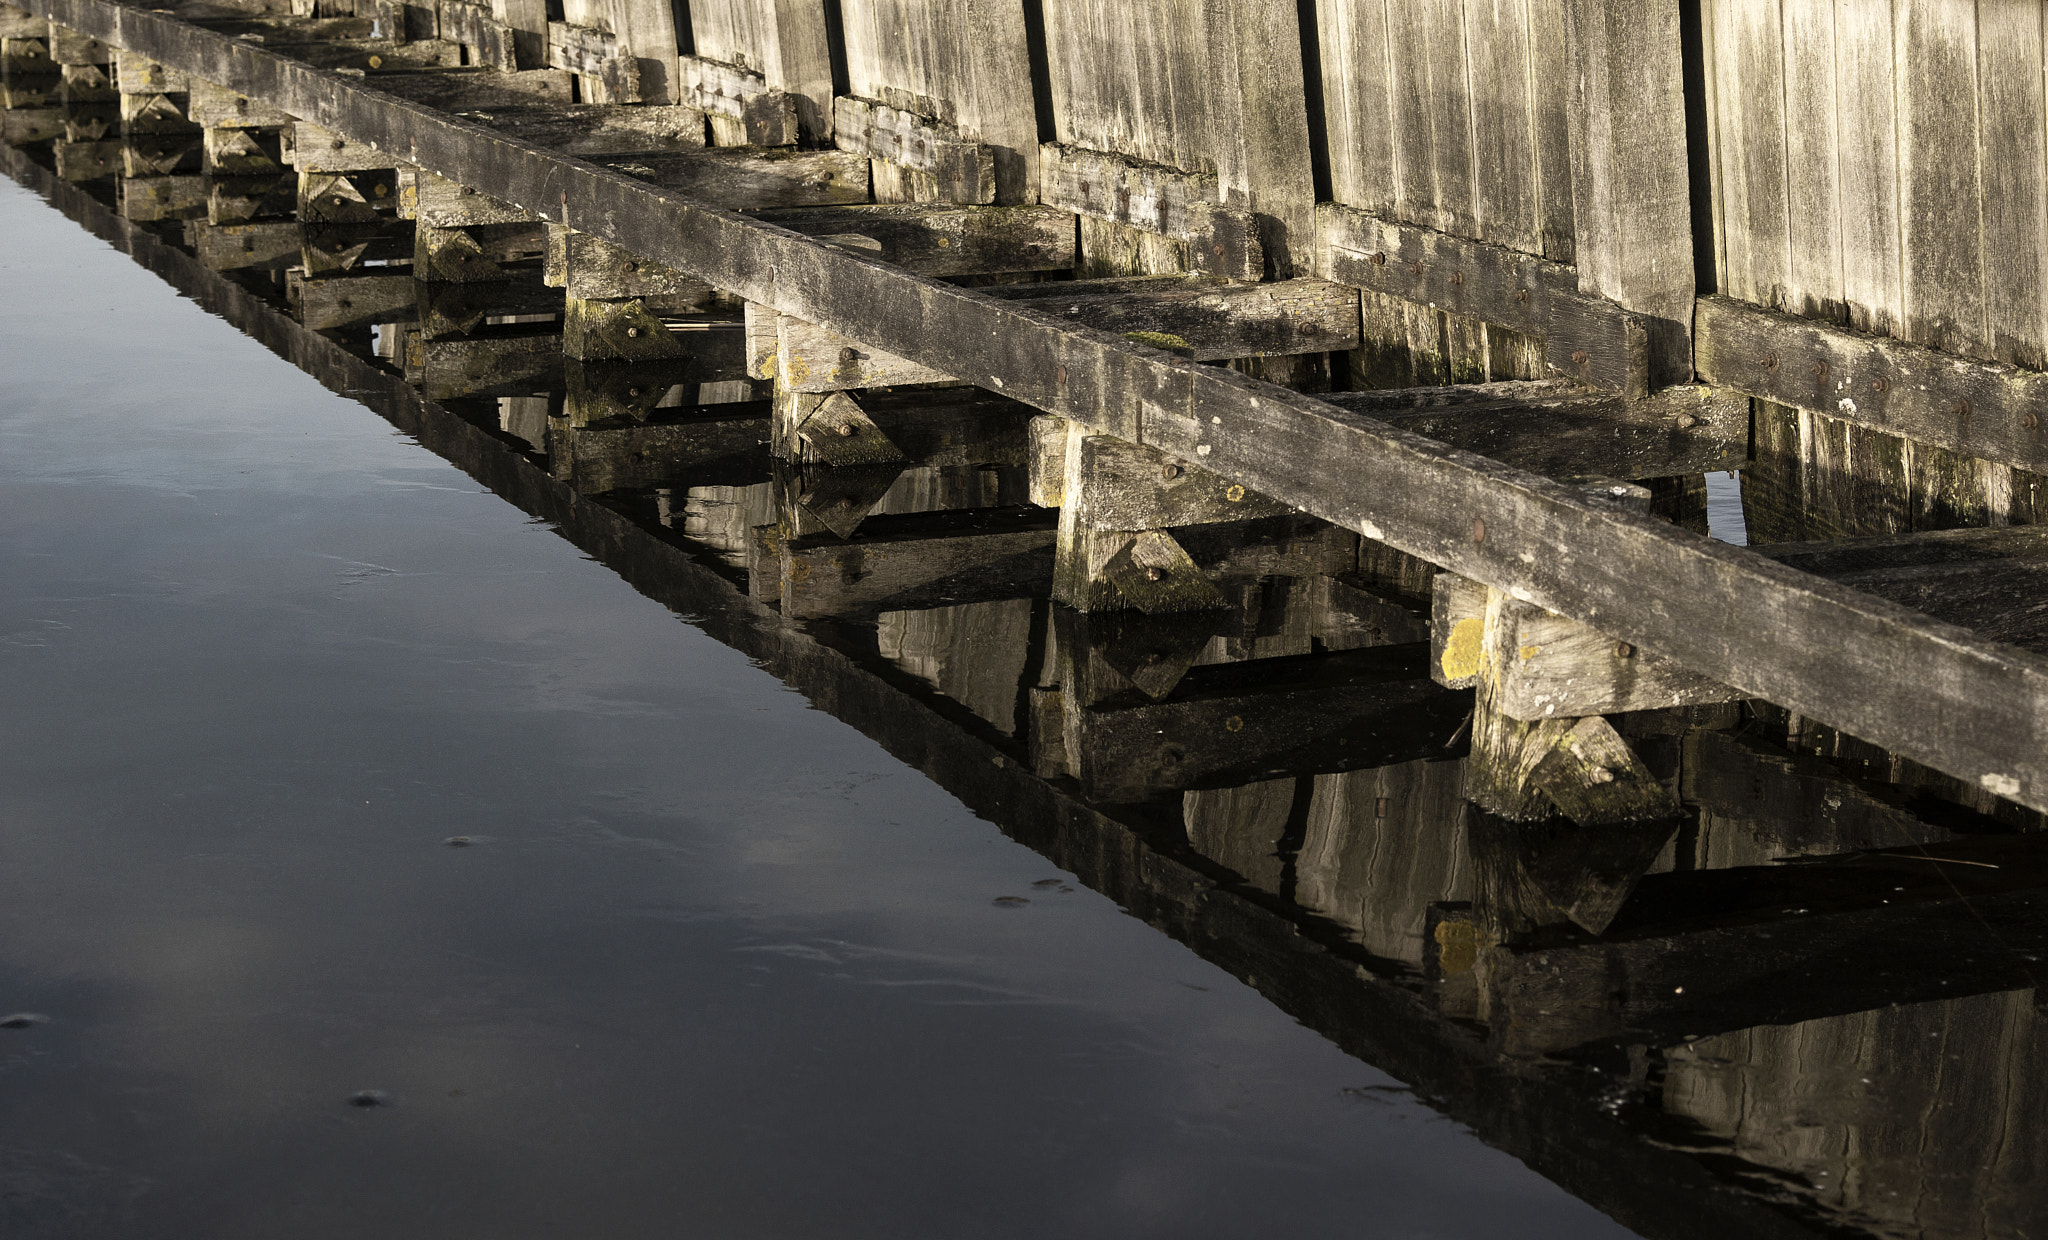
pixel 1170 472
pixel 1155 574
pixel 2030 421
pixel 1522 295
pixel 1379 809
pixel 1478 529
pixel 1820 370
pixel 1217 250
pixel 1770 361
pixel 1379 258
pixel 1686 421
pixel 1457 277
pixel 1062 376
pixel 632 391
pixel 848 353
pixel 1031 251
pixel 629 267
pixel 846 430
pixel 1415 269
pixel 1622 650
pixel 1881 385
pixel 467 191
pixel 1961 409
pixel 1310 329
pixel 338 143
pixel 633 332
pixel 1580 357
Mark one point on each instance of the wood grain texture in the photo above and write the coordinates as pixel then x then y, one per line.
pixel 785 41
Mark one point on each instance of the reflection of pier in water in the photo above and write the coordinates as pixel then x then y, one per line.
pixel 1772 979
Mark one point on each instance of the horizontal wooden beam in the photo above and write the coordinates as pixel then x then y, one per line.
pixel 596 129
pixel 1587 338
pixel 919 560
pixel 1185 206
pixel 1973 709
pixel 964 171
pixel 944 239
pixel 767 116
pixel 1981 409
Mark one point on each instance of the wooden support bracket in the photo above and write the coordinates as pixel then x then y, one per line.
pixel 964 171
pixel 1222 241
pixel 743 107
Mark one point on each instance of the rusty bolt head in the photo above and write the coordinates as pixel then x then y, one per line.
pixel 631 391
pixel 1580 357
pixel 1170 472
pixel 1457 277
pixel 630 267
pixel 633 332
pixel 1686 421
pixel 336 199
pixel 1881 385
pixel 848 353
pixel 847 431
pixel 1599 775
pixel 2030 421
pixel 1031 251
pixel 468 191
pixel 1478 529
pixel 1770 361
pixel 1379 258
pixel 1217 250
pixel 1820 370
pixel 1960 409
pixel 1155 574
pixel 1310 329
pixel 1415 269
pixel 338 143
pixel 1522 295
pixel 1622 650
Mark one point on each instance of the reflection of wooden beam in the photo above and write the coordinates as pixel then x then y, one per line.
pixel 665 449
pixel 918 560
pixel 943 239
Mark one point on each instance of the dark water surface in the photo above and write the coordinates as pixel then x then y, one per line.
pixel 713 963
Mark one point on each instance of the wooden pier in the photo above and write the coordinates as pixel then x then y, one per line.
pixel 1449 277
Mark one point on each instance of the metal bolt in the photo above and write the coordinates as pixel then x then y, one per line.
pixel 632 391
pixel 1457 277
pixel 1580 357
pixel 1881 385
pixel 1622 650
pixel 1961 409
pixel 847 431
pixel 336 199
pixel 1686 421
pixel 847 353
pixel 1031 251
pixel 1770 361
pixel 1217 250
pixel 338 143
pixel 2030 421
pixel 1522 295
pixel 1155 574
pixel 630 267
pixel 1600 775
pixel 1379 258
pixel 1478 529
pixel 1170 472
pixel 1415 269
pixel 633 332
pixel 1820 370
pixel 1310 329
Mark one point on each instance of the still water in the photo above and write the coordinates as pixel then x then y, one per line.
pixel 711 962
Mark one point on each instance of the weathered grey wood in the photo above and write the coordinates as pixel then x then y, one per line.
pixel 1979 409
pixel 372 55
pixel 1631 206
pixel 2012 137
pixel 597 129
pixel 460 309
pixel 1566 433
pixel 138 75
pixel 1868 168
pixel 154 114
pixel 17 23
pixel 217 107
pixel 527 20
pixel 1491 283
pixel 346 197
pixel 945 239
pixel 963 171
pixel 507 365
pixel 1116 485
pixel 741 99
pixel 646 30
pixel 86 161
pixel 786 41
pixel 1748 47
pixel 490 42
pixel 1891 671
pixel 311 148
pixel 597 57
pixel 616 330
pixel 463 90
pixel 233 247
pixel 21 126
pixel 1179 205
pixel 925 558
pixel 754 177
pixel 87 83
pixel 1943 257
pixel 595 269
pixel 437 202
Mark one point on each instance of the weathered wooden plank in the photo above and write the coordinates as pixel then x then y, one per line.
pixel 596 129
pixel 527 20
pixel 2012 132
pixel 596 269
pixel 597 56
pixel 337 302
pixel 1867 138
pixel 1502 147
pixel 786 41
pixel 86 161
pixel 1978 409
pixel 1632 209
pixel 1943 248
pixel 466 90
pixel 1889 673
pixel 1750 190
pixel 1813 203
pixel 138 75
pixel 437 202
pixel 506 365
pixel 21 126
pixel 943 239
pixel 163 198
pixel 232 247
pixel 1358 108
pixel 460 309
pixel 740 177
pixel 217 107
pixel 1181 205
pixel 658 452
pixel 311 148
pixel 154 114
pixel 964 171
pixel 764 116
pixel 646 31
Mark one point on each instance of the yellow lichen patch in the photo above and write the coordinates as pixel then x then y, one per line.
pixel 1159 340
pixel 1457 948
pixel 1462 653
pixel 1234 494
pixel 1529 652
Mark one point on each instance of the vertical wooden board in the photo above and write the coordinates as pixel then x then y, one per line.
pixel 1257 118
pixel 1357 109
pixel 1450 112
pixel 595 14
pixel 529 22
pixel 647 31
pixel 1867 171
pixel 2015 160
pixel 1813 272
pixel 1631 179
pixel 1551 139
pixel 1939 187
pixel 1749 87
pixel 1132 76
pixel 788 42
pixel 1416 200
pixel 1504 164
